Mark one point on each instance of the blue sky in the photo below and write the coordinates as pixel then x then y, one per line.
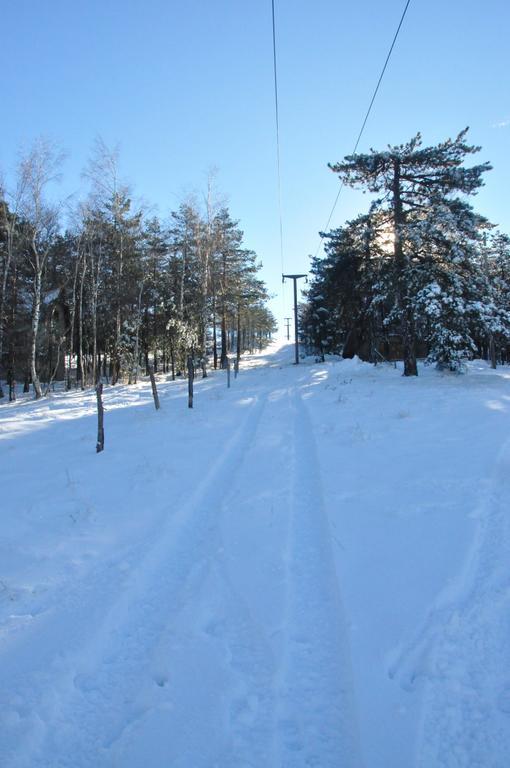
pixel 186 86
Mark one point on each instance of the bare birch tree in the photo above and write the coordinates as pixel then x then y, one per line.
pixel 38 168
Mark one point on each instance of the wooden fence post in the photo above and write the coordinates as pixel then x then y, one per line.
pixel 100 418
pixel 191 374
pixel 154 388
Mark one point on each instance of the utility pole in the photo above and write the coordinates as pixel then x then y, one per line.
pixel 295 278
pixel 287 326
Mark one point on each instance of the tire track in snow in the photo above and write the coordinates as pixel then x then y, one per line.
pixel 88 691
pixel 317 714
pixel 255 523
pixel 290 699
pixel 249 668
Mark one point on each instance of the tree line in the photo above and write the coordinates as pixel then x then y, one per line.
pixel 117 290
pixel 421 274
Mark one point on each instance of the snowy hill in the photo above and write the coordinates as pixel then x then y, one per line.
pixel 307 569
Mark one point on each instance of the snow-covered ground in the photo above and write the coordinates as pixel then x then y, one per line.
pixel 310 568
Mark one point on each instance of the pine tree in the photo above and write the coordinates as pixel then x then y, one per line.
pixel 411 180
pixel 343 294
pixel 451 295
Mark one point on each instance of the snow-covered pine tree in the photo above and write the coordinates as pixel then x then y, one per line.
pixel 340 308
pixel 450 291
pixel 495 264
pixel 410 180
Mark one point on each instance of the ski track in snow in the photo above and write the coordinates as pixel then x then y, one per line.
pixel 318 724
pixel 261 627
pixel 466 708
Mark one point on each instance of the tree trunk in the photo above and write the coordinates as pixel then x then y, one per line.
pixel 215 343
pixel 80 374
pixel 493 353
pixel 155 331
pixel 401 263
pixel 95 267
pixel 53 371
pixel 183 279
pixel 238 351
pixel 72 323
pixel 12 339
pixel 138 323
pixel 118 317
pixel 36 313
pixel 172 360
pixel 9 229
pixel 224 340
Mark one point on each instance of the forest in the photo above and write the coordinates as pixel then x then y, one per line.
pixel 102 289
pixel 421 274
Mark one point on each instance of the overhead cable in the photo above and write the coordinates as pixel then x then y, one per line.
pixel 277 124
pixel 360 134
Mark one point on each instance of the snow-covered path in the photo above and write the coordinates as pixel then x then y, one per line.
pixel 218 638
pixel 282 577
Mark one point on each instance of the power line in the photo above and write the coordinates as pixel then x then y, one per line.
pixel 277 125
pixel 360 134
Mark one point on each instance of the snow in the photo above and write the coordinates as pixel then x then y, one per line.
pixel 307 569
pixel 51 296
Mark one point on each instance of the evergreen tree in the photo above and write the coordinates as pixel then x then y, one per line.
pixel 452 300
pixel 411 181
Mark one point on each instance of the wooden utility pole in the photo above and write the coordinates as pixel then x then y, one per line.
pixel 154 387
pixel 295 278
pixel 287 326
pixel 191 375
pixel 100 418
